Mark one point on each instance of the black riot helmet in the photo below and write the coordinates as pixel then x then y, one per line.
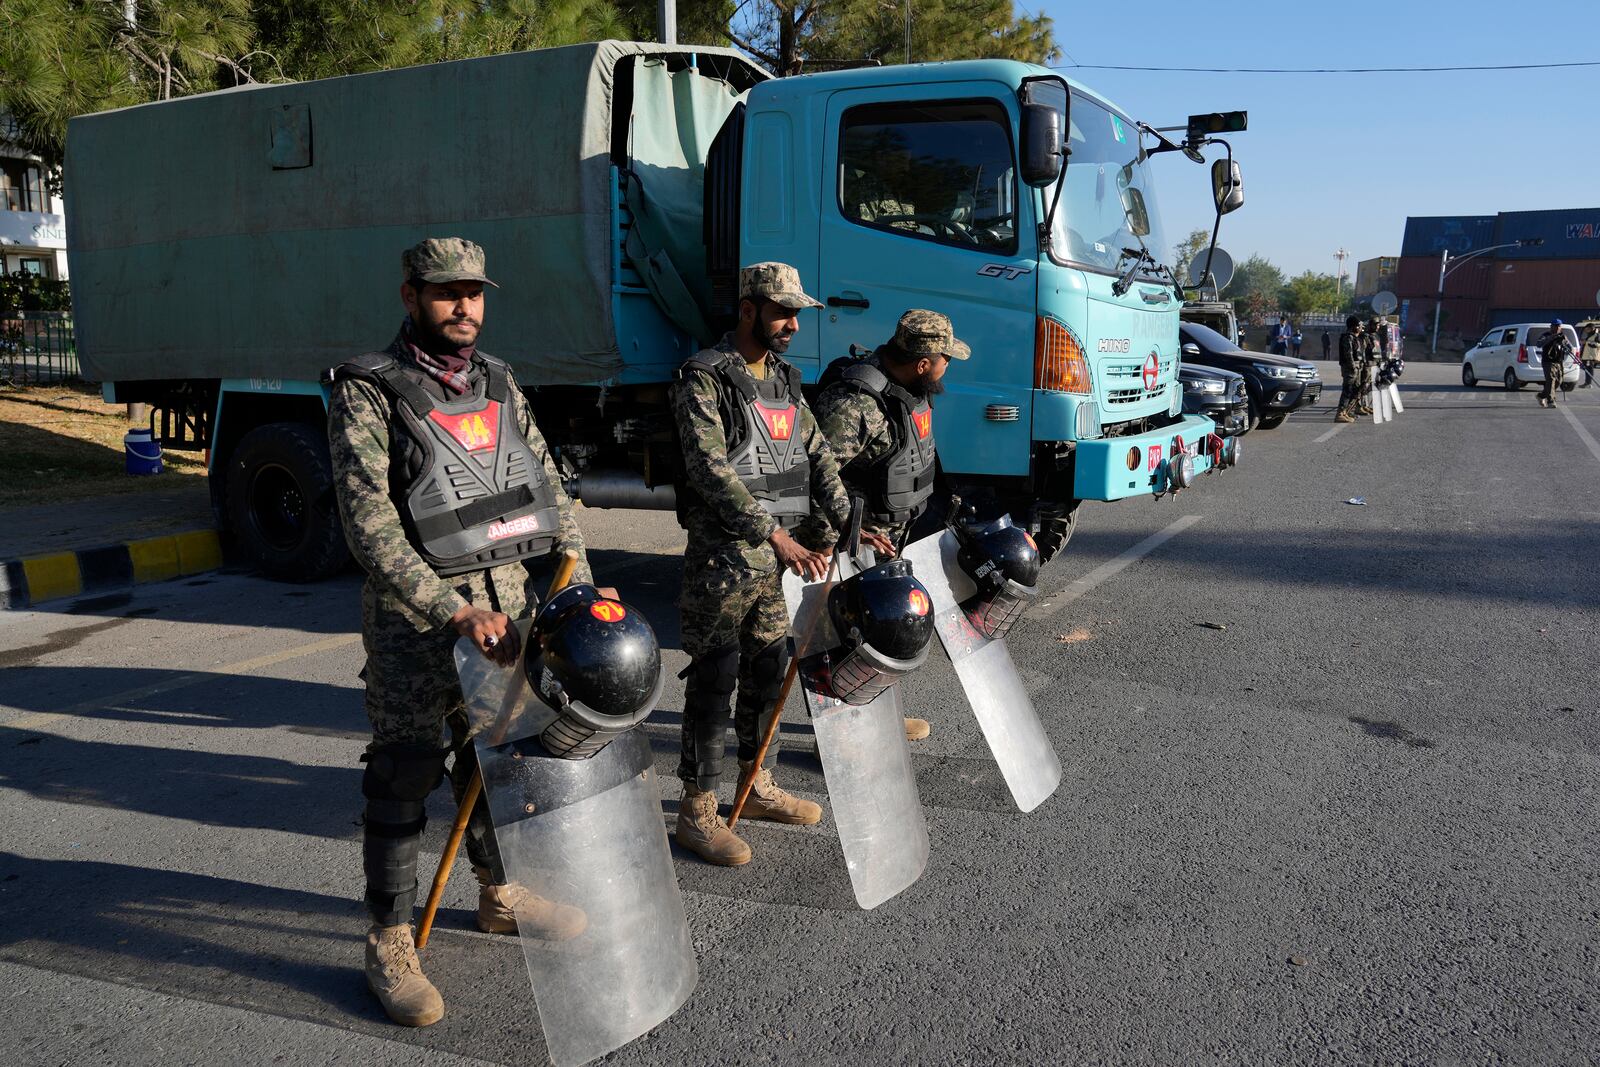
pixel 1352 323
pixel 596 663
pixel 884 619
pixel 1003 562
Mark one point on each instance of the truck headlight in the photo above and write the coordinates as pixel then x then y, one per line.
pixel 1273 371
pixel 1204 385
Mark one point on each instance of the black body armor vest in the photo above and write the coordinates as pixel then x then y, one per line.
pixel 761 418
pixel 896 486
pixel 470 492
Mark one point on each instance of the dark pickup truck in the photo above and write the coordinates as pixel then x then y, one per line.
pixel 1277 385
pixel 1219 395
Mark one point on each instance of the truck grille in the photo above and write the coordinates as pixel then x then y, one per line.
pixel 1125 381
pixel 1132 396
pixel 1305 374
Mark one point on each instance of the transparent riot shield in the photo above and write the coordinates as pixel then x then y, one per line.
pixel 865 759
pixel 586 833
pixel 1005 712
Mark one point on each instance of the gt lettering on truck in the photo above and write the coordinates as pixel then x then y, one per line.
pixel 1003 270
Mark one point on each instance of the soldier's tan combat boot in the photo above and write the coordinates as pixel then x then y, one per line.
pixel 917 729
pixel 394 974
pixel 702 831
pixel 769 801
pixel 1344 416
pixel 500 907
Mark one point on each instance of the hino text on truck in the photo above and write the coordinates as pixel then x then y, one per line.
pixel 227 248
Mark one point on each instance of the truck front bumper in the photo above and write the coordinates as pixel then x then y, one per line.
pixel 1114 468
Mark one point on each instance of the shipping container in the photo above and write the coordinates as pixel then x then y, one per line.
pixel 1545 283
pixel 1419 276
pixel 1507 316
pixel 1569 233
pixel 1430 235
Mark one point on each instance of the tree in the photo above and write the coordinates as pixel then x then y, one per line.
pixel 1310 292
pixel 1255 287
pixel 1187 250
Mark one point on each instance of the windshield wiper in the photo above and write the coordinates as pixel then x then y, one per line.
pixel 1140 257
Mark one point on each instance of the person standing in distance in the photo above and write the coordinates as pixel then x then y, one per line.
pixel 877 415
pixel 1554 350
pixel 1352 353
pixel 755 465
pixel 1327 344
pixel 444 560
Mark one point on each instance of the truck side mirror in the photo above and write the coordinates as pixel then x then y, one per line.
pixel 1227 187
pixel 1191 350
pixel 1138 215
pixel 1041 145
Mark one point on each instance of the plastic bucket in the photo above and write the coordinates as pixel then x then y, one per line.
pixel 142 452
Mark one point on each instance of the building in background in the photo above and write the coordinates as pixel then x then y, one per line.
pixel 1558 277
pixel 33 230
pixel 1375 275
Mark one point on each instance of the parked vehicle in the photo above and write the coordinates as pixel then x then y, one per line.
pixel 1217 314
pixel 1219 395
pixel 1510 355
pixel 1277 385
pixel 617 188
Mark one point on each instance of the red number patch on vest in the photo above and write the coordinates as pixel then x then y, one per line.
pixel 919 602
pixel 924 421
pixel 608 611
pixel 780 421
pixel 476 431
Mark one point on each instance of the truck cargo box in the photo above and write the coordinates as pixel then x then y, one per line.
pixel 256 232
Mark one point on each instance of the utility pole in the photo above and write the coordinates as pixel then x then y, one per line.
pixel 1338 278
pixel 1445 270
pixel 908 31
pixel 667 20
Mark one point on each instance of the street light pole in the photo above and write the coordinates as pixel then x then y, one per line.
pixel 1445 270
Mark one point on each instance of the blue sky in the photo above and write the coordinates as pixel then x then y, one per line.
pixel 1336 160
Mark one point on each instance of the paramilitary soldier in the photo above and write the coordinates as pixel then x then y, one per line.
pixel 1352 355
pixel 755 464
pixel 1554 350
pixel 877 415
pixel 1376 341
pixel 446 490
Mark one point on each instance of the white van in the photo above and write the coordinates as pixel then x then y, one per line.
pixel 1510 355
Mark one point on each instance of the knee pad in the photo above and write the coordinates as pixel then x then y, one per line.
pixel 716 672
pixel 768 667
pixel 402 771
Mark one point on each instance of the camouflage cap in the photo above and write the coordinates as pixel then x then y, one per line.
pixel 777 282
pixel 928 333
pixel 444 259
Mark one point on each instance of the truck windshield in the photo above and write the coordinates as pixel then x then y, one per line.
pixel 1107 180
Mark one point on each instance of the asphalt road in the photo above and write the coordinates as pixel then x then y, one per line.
pixel 1357 824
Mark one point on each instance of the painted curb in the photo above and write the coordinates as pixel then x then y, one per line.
pixel 26 583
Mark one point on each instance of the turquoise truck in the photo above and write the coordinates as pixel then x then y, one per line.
pixel 226 248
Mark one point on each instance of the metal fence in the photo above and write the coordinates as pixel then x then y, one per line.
pixel 39 346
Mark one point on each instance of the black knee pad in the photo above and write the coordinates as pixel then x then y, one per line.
pixel 768 667
pixel 716 672
pixel 402 771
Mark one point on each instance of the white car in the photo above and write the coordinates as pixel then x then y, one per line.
pixel 1510 355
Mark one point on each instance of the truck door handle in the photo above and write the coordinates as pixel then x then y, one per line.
pixel 849 302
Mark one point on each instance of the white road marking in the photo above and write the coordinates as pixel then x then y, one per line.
pixel 1330 433
pixel 1584 434
pixel 1111 568
pixel 183 681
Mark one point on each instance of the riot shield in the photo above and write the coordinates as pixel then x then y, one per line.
pixel 865 758
pixel 1005 713
pixel 589 833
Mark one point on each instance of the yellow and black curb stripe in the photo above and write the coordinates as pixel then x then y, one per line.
pixel 26 583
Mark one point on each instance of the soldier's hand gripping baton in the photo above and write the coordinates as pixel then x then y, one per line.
pixel 852 543
pixel 469 796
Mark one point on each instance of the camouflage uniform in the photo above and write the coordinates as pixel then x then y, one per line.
pixel 858 427
pixel 731 604
pixel 412 691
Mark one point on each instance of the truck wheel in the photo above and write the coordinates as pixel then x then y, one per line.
pixel 1272 422
pixel 1054 533
pixel 280 503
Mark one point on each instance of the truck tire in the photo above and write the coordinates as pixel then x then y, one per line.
pixel 1271 422
pixel 1054 533
pixel 280 503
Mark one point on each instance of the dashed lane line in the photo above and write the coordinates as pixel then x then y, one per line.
pixel 1330 433
pixel 1111 568
pixel 1582 432
pixel 41 719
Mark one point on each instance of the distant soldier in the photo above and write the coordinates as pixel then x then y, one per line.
pixel 442 562
pixel 755 465
pixel 1591 351
pixel 1373 345
pixel 877 415
pixel 1352 353
pixel 1327 345
pixel 1555 348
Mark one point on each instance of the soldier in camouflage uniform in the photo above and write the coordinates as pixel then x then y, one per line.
pixel 754 463
pixel 412 614
pixel 878 419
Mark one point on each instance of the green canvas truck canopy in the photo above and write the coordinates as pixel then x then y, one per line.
pixel 256 232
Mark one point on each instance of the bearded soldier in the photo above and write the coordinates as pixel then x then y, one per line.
pixel 878 418
pixel 1352 353
pixel 445 558
pixel 755 465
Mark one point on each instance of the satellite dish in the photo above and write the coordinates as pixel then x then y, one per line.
pixel 1597 298
pixel 1221 271
pixel 1384 303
